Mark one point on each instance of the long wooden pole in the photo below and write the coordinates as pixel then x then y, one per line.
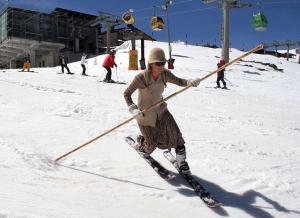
pixel 259 47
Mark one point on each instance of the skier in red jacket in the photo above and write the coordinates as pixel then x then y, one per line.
pixel 108 63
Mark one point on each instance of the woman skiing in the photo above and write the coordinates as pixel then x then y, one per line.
pixel 157 126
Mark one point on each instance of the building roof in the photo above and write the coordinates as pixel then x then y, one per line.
pixel 69 13
pixel 124 30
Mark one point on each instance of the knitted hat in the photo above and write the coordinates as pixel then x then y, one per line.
pixel 157 55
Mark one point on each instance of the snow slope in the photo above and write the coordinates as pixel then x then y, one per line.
pixel 242 143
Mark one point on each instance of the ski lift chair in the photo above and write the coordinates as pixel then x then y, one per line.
pixel 259 22
pixel 157 23
pixel 128 18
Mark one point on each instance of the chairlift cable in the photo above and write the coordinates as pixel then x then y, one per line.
pixel 151 8
pixel 282 2
pixel 192 10
pixel 182 12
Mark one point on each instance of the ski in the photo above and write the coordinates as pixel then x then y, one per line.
pixel 65 73
pixel 112 82
pixel 159 169
pixel 216 87
pixel 30 71
pixel 197 187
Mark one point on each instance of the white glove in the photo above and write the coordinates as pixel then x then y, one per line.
pixel 137 114
pixel 194 82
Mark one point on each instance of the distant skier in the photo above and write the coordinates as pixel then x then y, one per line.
pixel 157 126
pixel 83 63
pixel 221 75
pixel 26 64
pixel 63 63
pixel 108 63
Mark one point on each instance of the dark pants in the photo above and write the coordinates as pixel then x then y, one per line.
pixel 83 69
pixel 108 74
pixel 165 135
pixel 221 78
pixel 64 66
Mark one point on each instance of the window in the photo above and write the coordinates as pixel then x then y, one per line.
pixel 3 26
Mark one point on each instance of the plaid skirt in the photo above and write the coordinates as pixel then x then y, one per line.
pixel 165 134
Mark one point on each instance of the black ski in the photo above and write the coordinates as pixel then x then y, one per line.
pixel 65 73
pixel 198 188
pixel 216 87
pixel 159 169
pixel 112 82
pixel 30 71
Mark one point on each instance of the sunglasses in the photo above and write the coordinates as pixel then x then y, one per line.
pixel 159 64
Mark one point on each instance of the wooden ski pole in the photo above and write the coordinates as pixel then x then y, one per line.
pixel 259 47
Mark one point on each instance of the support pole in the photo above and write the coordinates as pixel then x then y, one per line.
pixel 108 29
pixel 225 46
pixel 32 60
pixel 12 64
pixel 97 40
pixel 171 60
pixel 132 41
pixel 288 52
pixel 259 47
pixel 169 34
pixel 142 61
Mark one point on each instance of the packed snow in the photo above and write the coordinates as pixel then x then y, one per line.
pixel 242 144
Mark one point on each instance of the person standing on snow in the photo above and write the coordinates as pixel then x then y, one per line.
pixel 157 126
pixel 221 75
pixel 83 62
pixel 26 64
pixel 108 63
pixel 63 63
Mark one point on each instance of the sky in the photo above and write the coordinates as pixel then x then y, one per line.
pixel 193 21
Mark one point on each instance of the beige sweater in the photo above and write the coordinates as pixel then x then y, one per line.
pixel 150 92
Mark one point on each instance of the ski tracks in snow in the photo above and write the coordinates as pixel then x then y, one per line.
pixel 35 161
pixel 39 87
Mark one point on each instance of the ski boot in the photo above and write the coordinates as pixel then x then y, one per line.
pixel 141 145
pixel 181 160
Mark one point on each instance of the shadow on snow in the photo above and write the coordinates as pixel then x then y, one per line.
pixel 243 202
